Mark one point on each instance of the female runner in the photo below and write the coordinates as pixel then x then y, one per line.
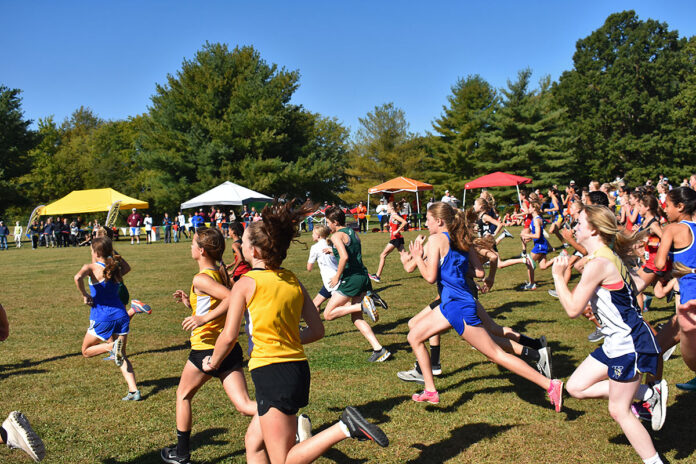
pixel 613 370
pixel 396 240
pixel 208 291
pixel 445 259
pixel 276 301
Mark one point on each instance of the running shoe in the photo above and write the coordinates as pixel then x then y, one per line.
pixel 688 386
pixel 379 356
pixel 378 300
pixel 555 393
pixel 117 352
pixel 368 307
pixel 140 307
pixel 304 428
pixel 646 303
pixel 666 355
pixel 437 369
pixel 109 358
pixel 426 396
pixel 506 233
pixel 20 435
pixel 411 376
pixel 544 364
pixel 641 411
pixel 375 277
pixel 360 428
pixel 132 396
pixel 657 404
pixel 596 335
pixel 530 262
pixel 169 456
pixel 530 286
pixel 670 296
pixel 553 293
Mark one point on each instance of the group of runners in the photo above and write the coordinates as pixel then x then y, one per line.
pixel 616 262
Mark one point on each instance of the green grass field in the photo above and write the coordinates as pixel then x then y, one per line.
pixel 485 415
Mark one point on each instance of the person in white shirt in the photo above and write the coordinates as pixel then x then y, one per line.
pixel 18 235
pixel 382 215
pixel 447 198
pixel 147 222
pixel 328 265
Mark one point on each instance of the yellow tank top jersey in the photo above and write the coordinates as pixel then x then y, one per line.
pixel 205 336
pixel 275 310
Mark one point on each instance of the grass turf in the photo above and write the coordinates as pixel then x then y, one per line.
pixel 486 414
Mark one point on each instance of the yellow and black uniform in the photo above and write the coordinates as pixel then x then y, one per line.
pixel 278 364
pixel 203 338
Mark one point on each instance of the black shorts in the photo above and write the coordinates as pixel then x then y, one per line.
pixel 232 362
pixel 397 242
pixel 324 292
pixel 284 386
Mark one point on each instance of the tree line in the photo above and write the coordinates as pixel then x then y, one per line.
pixel 627 108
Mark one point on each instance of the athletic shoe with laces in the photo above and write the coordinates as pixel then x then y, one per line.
pixel 304 428
pixel 553 293
pixel 426 396
pixel 117 352
pixel 132 396
pixel 411 376
pixel 360 428
pixel 641 411
pixel 657 404
pixel 20 435
pixel 688 386
pixel 379 356
pixel 544 364
pixel 437 369
pixel 368 307
pixel 507 233
pixel 596 335
pixel 378 300
pixel 375 277
pixel 530 286
pixel 140 307
pixel 168 455
pixel 555 393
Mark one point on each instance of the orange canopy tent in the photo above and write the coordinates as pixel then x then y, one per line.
pixel 400 184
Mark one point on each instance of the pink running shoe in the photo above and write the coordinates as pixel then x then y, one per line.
pixel 140 307
pixel 425 395
pixel 555 393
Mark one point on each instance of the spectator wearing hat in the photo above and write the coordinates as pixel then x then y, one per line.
pixel 134 221
pixel 447 198
pixel 381 211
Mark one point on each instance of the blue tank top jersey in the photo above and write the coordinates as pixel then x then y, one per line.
pixel 451 278
pixel 107 304
pixel 687 256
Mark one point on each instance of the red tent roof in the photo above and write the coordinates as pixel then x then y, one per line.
pixel 497 179
pixel 400 184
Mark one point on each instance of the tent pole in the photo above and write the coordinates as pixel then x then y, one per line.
pixel 517 186
pixel 418 206
pixel 464 200
pixel 368 211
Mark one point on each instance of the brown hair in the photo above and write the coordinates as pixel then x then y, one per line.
pixel 278 229
pixel 603 221
pixel 212 242
pixel 104 249
pixel 336 214
pixel 457 224
pixel 484 203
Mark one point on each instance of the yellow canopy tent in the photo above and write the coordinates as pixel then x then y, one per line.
pixel 90 201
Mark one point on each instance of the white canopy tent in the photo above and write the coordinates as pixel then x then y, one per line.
pixel 227 193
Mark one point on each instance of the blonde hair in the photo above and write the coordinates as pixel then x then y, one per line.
pixel 603 221
pixel 322 230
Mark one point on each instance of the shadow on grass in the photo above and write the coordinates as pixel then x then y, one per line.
pixel 460 439
pixel 381 289
pixel 374 411
pixel 509 306
pixel 5 375
pixel 678 434
pixel 531 393
pixel 389 326
pixel 338 456
pixel 204 438
pixel 166 349
pixel 27 363
pixel 158 385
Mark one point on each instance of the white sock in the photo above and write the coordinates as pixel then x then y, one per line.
pixel 344 428
pixel 653 460
pixel 644 392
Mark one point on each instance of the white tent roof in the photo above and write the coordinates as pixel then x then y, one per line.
pixel 227 193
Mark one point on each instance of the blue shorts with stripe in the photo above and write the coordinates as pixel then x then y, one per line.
pixel 624 368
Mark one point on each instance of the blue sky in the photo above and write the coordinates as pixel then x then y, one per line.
pixel 352 56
